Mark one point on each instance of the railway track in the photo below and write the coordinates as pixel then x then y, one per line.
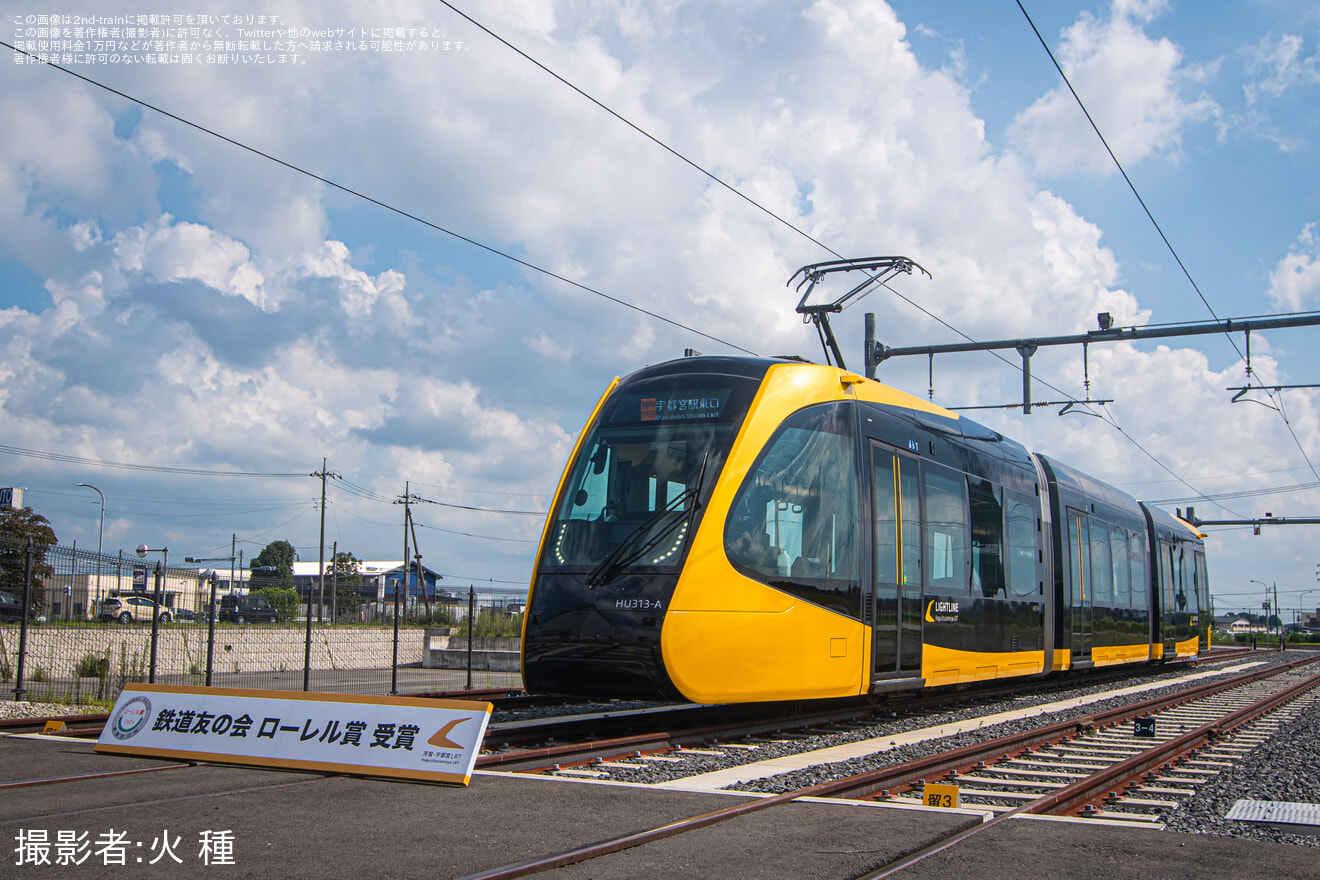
pixel 519 744
pixel 605 743
pixel 1204 728
pixel 1092 765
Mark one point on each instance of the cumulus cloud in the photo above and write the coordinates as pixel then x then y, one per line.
pixel 1295 281
pixel 170 252
pixel 264 321
pixel 1134 88
pixel 359 293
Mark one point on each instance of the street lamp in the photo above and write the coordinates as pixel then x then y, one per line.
pixel 1300 608
pixel 1264 606
pixel 100 533
pixel 162 570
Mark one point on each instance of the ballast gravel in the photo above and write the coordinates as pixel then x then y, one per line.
pixel 1285 768
pixel 28 709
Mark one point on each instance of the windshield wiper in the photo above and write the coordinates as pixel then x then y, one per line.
pixel 616 561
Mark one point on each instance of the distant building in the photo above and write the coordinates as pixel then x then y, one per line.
pixel 379 579
pixel 1237 623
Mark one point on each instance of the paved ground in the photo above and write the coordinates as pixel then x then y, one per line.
pixel 286 825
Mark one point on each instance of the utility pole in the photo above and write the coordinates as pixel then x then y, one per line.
pixel 320 565
pixel 320 559
pixel 417 555
pixel 407 516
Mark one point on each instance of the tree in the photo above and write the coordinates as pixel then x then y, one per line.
pixel 283 599
pixel 348 584
pixel 273 566
pixel 16 526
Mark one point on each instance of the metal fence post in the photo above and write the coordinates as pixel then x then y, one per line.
pixel 394 663
pixel 307 643
pixel 211 613
pixel 23 622
pixel 472 601
pixel 155 627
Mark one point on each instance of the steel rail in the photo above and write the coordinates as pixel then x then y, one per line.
pixel 1062 800
pixel 872 780
pixel 1071 797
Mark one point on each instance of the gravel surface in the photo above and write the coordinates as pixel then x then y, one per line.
pixel 26 709
pixel 1286 768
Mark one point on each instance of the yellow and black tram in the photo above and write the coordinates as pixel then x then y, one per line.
pixel 736 529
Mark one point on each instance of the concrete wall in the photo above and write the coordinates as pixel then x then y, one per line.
pixel 181 648
pixel 445 651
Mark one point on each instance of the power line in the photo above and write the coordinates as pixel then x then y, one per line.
pixel 1244 493
pixel 1109 419
pixel 1119 165
pixel 1168 244
pixel 481 509
pixel 643 132
pixel 485 537
pixel 373 496
pixel 385 205
pixel 130 466
pixel 712 176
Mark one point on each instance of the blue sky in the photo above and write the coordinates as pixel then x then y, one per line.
pixel 168 299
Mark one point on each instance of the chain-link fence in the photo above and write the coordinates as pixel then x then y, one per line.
pixel 75 626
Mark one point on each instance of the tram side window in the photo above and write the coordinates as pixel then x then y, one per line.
pixel 1194 594
pixel 987 521
pixel 1118 545
pixel 1102 574
pixel 1203 584
pixel 946 528
pixel 1021 557
pixel 1179 583
pixel 1140 573
pixel 794 522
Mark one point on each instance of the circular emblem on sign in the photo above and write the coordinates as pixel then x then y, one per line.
pixel 132 719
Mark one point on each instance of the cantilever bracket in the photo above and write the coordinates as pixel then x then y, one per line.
pixel 1243 389
pixel 1068 405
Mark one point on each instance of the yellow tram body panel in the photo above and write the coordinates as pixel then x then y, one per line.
pixel 727 636
pixel 1187 648
pixel 1115 655
pixel 1062 660
pixel 942 666
pixel 803 652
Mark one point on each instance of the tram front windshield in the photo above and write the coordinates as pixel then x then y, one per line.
pixel 635 489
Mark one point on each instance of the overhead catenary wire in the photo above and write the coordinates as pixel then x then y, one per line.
pixel 473 242
pixel 384 205
pixel 524 263
pixel 1149 215
pixel 1107 417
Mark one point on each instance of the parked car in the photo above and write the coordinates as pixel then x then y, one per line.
pixel 186 614
pixel 11 607
pixel 130 609
pixel 247 609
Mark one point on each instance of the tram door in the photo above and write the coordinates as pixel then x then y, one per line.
pixel 1174 599
pixel 896 583
pixel 1079 544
